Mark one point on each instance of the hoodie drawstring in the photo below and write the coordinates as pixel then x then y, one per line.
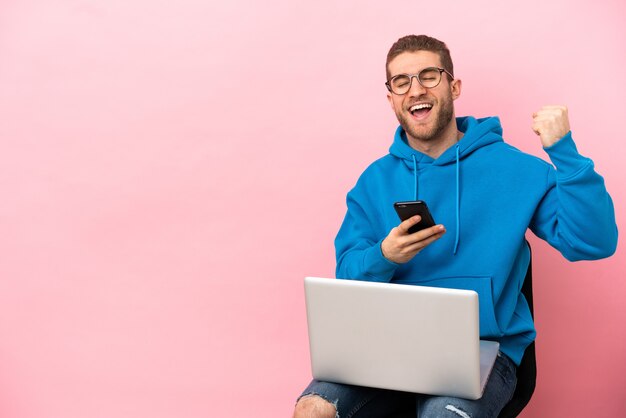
pixel 415 175
pixel 458 196
pixel 458 211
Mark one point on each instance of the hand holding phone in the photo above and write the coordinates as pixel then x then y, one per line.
pixel 409 238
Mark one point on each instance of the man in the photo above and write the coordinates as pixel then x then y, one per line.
pixel 486 194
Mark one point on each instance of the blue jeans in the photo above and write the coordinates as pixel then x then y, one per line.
pixel 362 402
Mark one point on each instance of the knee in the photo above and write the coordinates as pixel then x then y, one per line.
pixel 444 407
pixel 313 406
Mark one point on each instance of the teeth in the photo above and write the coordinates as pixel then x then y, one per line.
pixel 420 106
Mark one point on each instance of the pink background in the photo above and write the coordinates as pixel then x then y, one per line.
pixel 170 172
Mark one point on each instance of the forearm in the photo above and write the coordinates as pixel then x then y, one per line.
pixel 577 215
pixel 365 263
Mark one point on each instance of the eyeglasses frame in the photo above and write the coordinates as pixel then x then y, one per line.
pixel 416 75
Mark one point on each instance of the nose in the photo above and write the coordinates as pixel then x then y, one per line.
pixel 416 89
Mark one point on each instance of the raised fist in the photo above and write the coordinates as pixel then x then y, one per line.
pixel 551 123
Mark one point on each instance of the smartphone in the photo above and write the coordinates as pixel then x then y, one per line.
pixel 406 210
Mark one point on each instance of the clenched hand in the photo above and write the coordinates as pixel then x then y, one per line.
pixel 551 123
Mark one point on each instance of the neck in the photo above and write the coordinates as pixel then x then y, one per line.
pixel 434 147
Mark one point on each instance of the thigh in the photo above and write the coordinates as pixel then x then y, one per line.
pixel 358 401
pixel 498 391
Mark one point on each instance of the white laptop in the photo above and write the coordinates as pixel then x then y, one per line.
pixel 402 337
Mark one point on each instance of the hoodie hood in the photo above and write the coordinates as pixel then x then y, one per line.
pixel 477 133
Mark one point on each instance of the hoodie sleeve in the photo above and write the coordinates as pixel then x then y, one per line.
pixel 358 251
pixel 576 214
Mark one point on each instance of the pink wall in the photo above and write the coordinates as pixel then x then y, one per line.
pixel 171 171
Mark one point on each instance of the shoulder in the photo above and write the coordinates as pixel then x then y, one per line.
pixel 509 155
pixel 512 166
pixel 375 179
pixel 379 167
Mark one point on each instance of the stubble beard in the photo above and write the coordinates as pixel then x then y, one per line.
pixel 446 113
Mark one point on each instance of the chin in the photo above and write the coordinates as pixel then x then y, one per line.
pixel 428 131
pixel 424 135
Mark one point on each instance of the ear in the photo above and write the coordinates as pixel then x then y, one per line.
pixel 455 87
pixel 390 99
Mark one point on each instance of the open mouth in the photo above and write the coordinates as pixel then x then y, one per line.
pixel 421 110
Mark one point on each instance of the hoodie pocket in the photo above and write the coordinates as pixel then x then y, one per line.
pixel 482 285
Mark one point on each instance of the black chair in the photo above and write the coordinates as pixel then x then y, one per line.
pixel 527 370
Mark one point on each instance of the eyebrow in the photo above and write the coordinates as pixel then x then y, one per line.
pixel 419 71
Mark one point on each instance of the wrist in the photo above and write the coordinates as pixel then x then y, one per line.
pixel 385 253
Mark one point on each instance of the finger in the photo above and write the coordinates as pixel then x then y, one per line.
pixel 546 122
pixel 424 234
pixel 553 107
pixel 419 246
pixel 543 123
pixel 554 111
pixel 547 116
pixel 407 224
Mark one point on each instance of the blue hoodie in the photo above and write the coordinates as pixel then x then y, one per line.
pixel 487 194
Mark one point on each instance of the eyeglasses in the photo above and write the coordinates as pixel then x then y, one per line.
pixel 429 78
